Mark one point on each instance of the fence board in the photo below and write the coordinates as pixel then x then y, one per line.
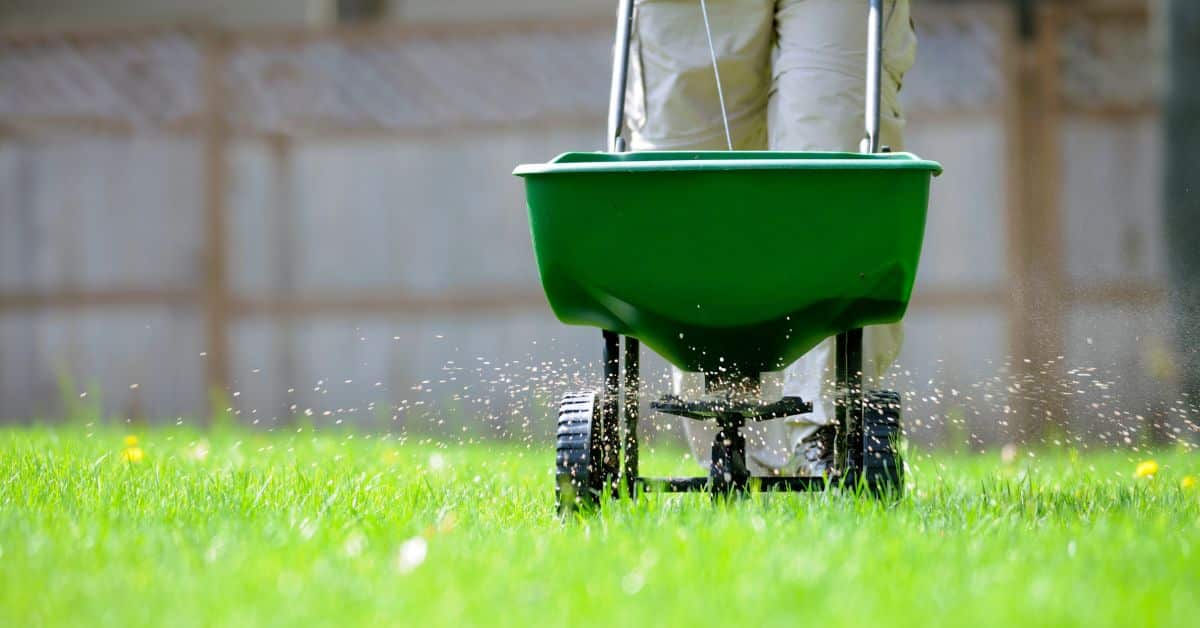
pixel 137 362
pixel 1111 199
pixel 965 239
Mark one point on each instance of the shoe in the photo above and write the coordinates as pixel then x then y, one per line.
pixel 815 453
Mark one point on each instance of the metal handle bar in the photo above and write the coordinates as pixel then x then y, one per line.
pixel 874 67
pixel 614 143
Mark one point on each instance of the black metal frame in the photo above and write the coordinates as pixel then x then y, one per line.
pixel 728 471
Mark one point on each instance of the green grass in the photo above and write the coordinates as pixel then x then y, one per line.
pixel 292 528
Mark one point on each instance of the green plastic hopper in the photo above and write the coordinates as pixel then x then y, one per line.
pixel 728 261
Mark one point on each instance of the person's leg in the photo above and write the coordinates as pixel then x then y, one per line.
pixel 819 74
pixel 671 102
pixel 817 97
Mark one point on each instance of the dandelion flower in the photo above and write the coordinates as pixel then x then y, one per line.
pixel 447 523
pixel 1187 483
pixel 131 441
pixel 132 454
pixel 1146 469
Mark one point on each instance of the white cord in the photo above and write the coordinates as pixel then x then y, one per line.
pixel 716 73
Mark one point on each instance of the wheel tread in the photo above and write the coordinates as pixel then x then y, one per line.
pixel 579 482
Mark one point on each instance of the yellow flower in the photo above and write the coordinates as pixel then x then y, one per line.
pixel 1146 469
pixel 132 454
pixel 131 441
pixel 445 525
pixel 1187 483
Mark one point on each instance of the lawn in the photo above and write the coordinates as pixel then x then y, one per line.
pixel 338 528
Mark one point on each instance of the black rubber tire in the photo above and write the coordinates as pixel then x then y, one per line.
pixel 581 473
pixel 882 467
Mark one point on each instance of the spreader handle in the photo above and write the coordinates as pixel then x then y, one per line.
pixel 614 143
pixel 874 72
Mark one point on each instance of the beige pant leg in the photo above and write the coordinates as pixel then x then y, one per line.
pixel 819 78
pixel 671 101
pixel 819 86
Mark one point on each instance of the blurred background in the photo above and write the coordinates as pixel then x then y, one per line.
pixel 302 210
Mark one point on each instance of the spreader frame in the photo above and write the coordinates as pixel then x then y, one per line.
pixel 728 471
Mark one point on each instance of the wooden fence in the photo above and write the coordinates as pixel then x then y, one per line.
pixel 254 186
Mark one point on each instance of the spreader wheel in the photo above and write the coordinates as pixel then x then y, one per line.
pixel 882 468
pixel 585 460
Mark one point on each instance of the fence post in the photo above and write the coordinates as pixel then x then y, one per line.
pixel 215 137
pixel 1035 239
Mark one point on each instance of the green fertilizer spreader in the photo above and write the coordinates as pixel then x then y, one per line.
pixel 729 264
